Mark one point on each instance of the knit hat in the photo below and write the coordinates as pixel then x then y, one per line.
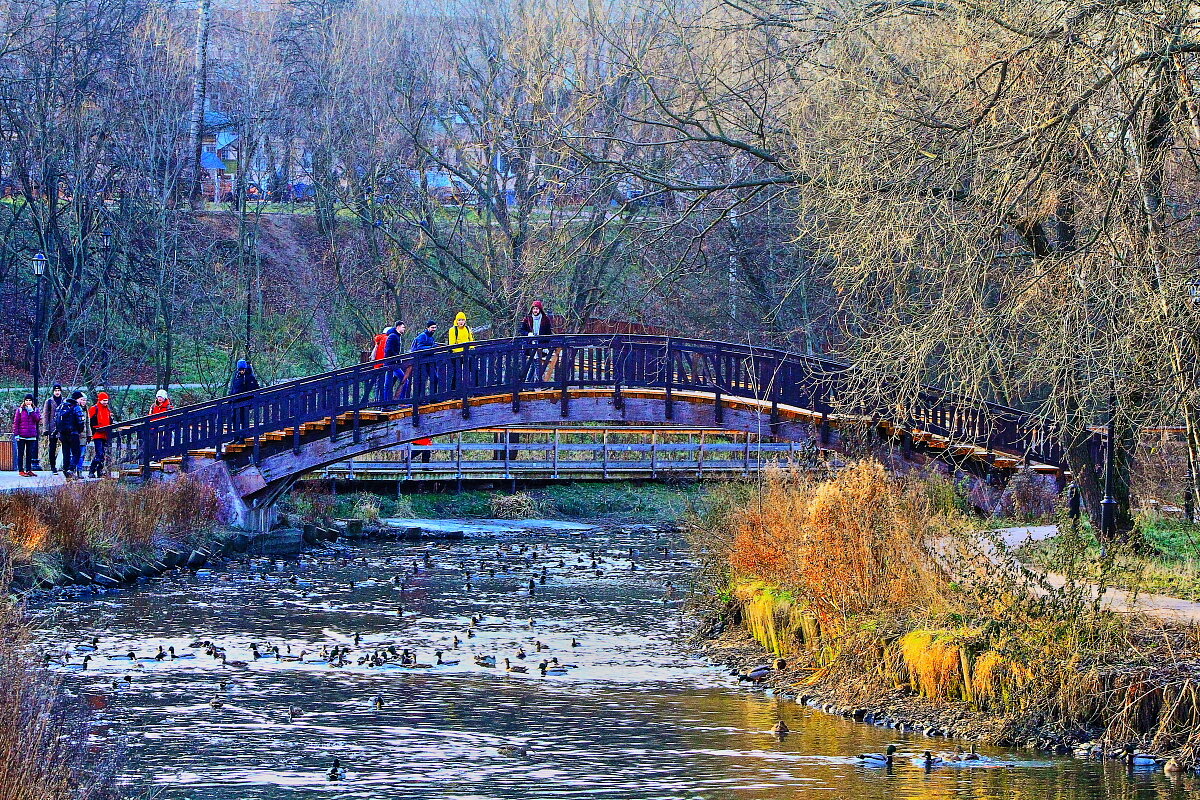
pixel 537 304
pixel 28 397
pixel 243 364
pixel 161 394
pixel 101 396
pixel 56 386
pixel 430 322
pixel 460 315
pixel 76 395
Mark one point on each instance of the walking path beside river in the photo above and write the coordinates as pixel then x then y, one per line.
pixel 1159 606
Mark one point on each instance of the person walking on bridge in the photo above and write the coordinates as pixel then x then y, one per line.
pixel 424 341
pixel 49 415
pixel 460 333
pixel 100 417
pixel 393 345
pixel 541 362
pixel 26 421
pixel 162 404
pixel 244 380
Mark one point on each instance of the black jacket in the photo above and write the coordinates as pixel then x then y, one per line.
pixel 243 382
pixel 423 342
pixel 394 345
pixel 71 420
pixel 527 325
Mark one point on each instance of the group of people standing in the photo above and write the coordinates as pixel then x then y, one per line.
pixel 69 422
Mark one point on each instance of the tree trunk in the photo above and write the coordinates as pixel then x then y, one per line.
pixel 199 87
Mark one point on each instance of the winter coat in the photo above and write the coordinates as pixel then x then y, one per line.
pixel 72 421
pixel 423 342
pixel 160 407
pixel 50 412
pixel 100 416
pixel 243 382
pixel 380 348
pixel 459 335
pixel 394 345
pixel 26 422
pixel 527 325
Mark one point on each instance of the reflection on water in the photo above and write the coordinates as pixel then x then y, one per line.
pixel 636 716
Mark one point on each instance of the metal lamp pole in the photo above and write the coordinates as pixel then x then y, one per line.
pixel 1108 506
pixel 39 269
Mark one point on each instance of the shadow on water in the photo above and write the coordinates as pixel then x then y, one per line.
pixel 635 716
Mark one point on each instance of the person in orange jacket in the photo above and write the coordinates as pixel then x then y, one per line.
pixel 380 347
pixel 162 404
pixel 100 416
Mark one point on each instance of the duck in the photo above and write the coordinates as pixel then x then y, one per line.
pixel 78 665
pixel 780 728
pixel 377 702
pixel 1135 759
pixel 173 655
pixel 90 647
pixel 511 667
pixel 520 652
pixel 547 669
pixel 441 662
pixel 337 772
pixel 574 642
pixel 123 657
pixel 485 661
pixel 216 703
pixel 756 675
pixel 883 759
pixel 1173 767
pixel 293 712
pixel 928 760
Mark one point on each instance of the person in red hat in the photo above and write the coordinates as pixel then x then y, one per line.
pixel 100 416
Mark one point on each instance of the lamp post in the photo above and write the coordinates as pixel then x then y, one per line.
pixel 39 269
pixel 1108 506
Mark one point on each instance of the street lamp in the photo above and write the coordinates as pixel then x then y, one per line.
pixel 1108 506
pixel 106 238
pixel 39 269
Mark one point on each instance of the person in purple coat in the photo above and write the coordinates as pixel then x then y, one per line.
pixel 26 422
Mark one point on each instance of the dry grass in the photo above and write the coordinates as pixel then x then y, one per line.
pixel 519 505
pixel 105 516
pixel 43 752
pixel 861 532
pixel 879 585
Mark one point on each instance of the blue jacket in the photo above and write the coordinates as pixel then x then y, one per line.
pixel 424 341
pixel 394 345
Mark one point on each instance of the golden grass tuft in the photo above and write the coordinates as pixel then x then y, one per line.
pixel 105 515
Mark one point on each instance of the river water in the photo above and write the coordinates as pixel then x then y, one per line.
pixel 636 715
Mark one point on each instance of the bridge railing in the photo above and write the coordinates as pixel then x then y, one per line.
pixel 561 363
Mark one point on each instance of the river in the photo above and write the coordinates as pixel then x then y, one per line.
pixel 636 715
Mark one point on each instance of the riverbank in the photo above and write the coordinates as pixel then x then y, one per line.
pixel 890 606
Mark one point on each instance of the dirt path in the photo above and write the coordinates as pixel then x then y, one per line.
pixel 1160 606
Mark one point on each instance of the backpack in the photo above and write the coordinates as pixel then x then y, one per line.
pixel 68 420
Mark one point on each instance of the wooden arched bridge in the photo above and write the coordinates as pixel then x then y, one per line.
pixel 267 439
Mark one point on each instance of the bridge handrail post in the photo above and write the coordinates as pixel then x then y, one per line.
pixel 561 378
pixel 417 388
pixel 516 363
pixel 669 380
pixel 554 456
pixel 718 375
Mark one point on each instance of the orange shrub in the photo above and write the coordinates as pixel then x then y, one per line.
pixel 858 542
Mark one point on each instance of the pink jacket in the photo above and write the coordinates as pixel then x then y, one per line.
pixel 26 422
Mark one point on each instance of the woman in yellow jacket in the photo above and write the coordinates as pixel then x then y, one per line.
pixel 459 332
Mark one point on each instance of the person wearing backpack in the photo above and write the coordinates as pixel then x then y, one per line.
pixel 26 421
pixel 99 417
pixel 71 425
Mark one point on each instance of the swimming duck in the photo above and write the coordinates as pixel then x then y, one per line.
pixel 377 702
pixel 216 703
pixel 520 652
pixel 574 642
pixel 90 647
pixel 510 667
pixel 441 662
pixel 878 759
pixel 173 655
pixel 547 669
pixel 780 728
pixel 1173 767
pixel 485 661
pixel 928 760
pixel 1135 759
pixel 337 772
pixel 80 665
